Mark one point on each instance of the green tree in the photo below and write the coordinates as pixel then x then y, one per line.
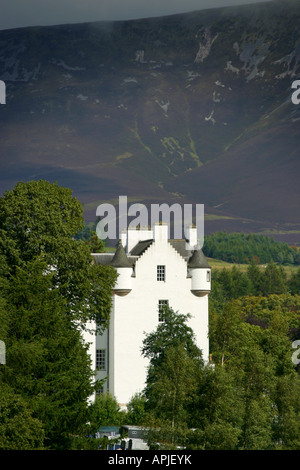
pixel 230 335
pixel 274 280
pixel 174 364
pixel 174 386
pixel 136 409
pixel 170 335
pixel 286 426
pixel 251 340
pixel 216 412
pixel 47 362
pixel 38 218
pixel 256 380
pixel 294 282
pixel 174 331
pixel 89 236
pixel 19 430
pixel 255 276
pixel 49 288
pixel 105 411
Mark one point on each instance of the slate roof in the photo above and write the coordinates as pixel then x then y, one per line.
pixel 180 247
pixel 198 260
pixel 140 247
pixel 195 259
pixel 120 259
pixel 106 259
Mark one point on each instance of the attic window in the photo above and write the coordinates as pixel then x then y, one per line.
pixel 161 273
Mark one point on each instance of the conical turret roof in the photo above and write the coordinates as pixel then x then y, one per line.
pixel 198 260
pixel 120 259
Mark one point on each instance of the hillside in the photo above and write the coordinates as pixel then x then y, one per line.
pixel 187 108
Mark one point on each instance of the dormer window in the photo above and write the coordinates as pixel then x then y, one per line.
pixel 161 273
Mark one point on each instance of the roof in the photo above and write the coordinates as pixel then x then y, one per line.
pixel 120 259
pixel 140 247
pixel 198 260
pixel 180 247
pixel 102 258
pixel 195 259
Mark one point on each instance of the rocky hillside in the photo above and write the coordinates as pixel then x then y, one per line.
pixel 187 108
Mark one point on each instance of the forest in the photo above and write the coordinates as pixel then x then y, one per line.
pixel 247 397
pixel 244 248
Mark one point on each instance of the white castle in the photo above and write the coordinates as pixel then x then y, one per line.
pixel 153 271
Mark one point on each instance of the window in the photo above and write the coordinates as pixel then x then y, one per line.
pixel 161 273
pixel 162 304
pixel 100 391
pixel 100 359
pixel 207 276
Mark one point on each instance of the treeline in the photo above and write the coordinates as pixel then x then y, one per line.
pixel 244 248
pixel 246 398
pixel 228 284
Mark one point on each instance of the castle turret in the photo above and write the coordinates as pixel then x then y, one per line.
pixel 200 273
pixel 124 269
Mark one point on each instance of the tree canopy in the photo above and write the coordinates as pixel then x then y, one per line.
pixel 245 248
pixel 41 219
pixel 49 288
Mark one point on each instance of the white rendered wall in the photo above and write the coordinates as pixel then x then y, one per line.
pixel 200 279
pixel 124 279
pixel 137 313
pixel 89 338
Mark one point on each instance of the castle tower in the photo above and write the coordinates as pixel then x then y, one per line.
pixel 200 273
pixel 124 270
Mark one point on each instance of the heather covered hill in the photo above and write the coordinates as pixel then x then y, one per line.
pixel 187 108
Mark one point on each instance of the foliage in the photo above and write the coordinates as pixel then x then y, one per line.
pixel 136 411
pixel 228 284
pixel 240 402
pixel 173 331
pixel 90 238
pixel 173 358
pixel 46 361
pixel 49 288
pixel 19 430
pixel 294 283
pixel 38 218
pixel 245 248
pixel 105 411
pixel 174 363
pixel 174 386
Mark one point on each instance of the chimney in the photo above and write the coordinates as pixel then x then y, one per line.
pixel 192 236
pixel 161 232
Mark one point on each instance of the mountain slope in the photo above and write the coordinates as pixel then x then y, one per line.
pixel 188 108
